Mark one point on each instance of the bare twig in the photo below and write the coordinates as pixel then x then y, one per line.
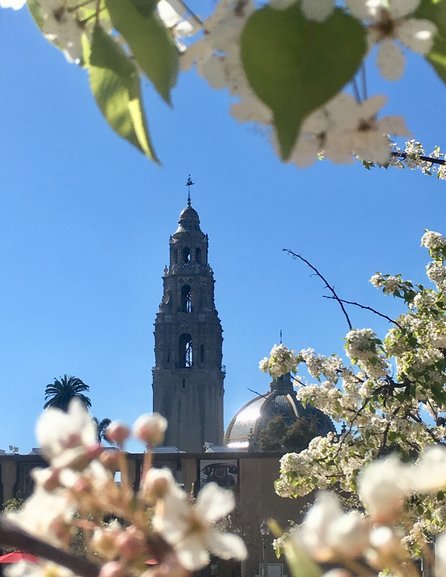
pixel 363 81
pixel 431 159
pixel 352 422
pixel 192 14
pixel 329 287
pixel 367 308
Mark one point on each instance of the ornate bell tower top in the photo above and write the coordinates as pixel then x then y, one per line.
pixel 188 244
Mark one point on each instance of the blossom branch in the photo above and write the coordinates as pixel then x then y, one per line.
pixel 13 536
pixel 327 285
pixel 365 307
pixel 432 159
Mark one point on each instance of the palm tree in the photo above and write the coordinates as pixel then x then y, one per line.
pixel 101 428
pixel 63 390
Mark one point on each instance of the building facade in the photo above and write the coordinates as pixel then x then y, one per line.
pixel 188 374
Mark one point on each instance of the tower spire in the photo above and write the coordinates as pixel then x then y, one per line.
pixel 189 183
pixel 188 375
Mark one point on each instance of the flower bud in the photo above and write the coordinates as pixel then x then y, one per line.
pixel 150 428
pixel 156 484
pixel 131 543
pixel 110 460
pixel 117 432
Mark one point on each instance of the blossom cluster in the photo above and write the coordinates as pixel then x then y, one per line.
pixel 343 127
pixel 281 360
pixel 389 394
pixel 372 541
pixel 414 157
pixel 122 528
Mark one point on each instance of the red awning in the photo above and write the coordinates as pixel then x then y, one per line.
pixel 16 556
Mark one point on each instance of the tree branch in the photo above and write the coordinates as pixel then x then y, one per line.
pixel 431 159
pixel 329 287
pixel 367 308
pixel 14 536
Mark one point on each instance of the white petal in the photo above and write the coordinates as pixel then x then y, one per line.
pixel 191 552
pixel 14 4
pixel 281 4
pixel 344 112
pixel 214 70
pixel 401 8
pixel 359 8
pixel 184 28
pixel 214 503
pixel 394 125
pixel 317 122
pixel 305 151
pixel 251 109
pixel 339 147
pixel 371 107
pixel 390 60
pixel 429 474
pixel 417 34
pixel 318 10
pixel 169 16
pixel 372 146
pixel 226 545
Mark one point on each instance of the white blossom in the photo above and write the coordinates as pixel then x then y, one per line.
pixel 61 27
pixel 66 437
pixel 429 474
pixel 281 360
pixel 344 128
pixel 433 240
pixel 150 428
pixel 190 528
pixel 171 14
pixel 328 532
pixel 14 4
pixel 44 514
pixel 383 486
pixel 388 21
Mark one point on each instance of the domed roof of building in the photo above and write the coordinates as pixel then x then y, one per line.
pixel 250 427
pixel 189 219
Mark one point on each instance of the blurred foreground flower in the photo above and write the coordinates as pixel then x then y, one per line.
pixel 121 528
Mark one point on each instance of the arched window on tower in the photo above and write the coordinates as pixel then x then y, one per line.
pixel 185 351
pixel 186 299
pixel 198 254
pixel 186 254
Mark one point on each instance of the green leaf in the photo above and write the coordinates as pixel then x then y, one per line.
pixel 150 42
pixel 295 65
pixel 114 81
pixel 299 562
pixel 33 7
pixel 436 12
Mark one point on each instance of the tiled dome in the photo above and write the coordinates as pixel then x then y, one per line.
pixel 281 401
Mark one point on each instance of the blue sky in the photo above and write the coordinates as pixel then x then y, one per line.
pixel 85 222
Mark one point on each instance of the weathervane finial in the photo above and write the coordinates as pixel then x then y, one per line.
pixel 189 183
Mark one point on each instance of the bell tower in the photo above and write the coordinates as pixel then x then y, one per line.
pixel 188 374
